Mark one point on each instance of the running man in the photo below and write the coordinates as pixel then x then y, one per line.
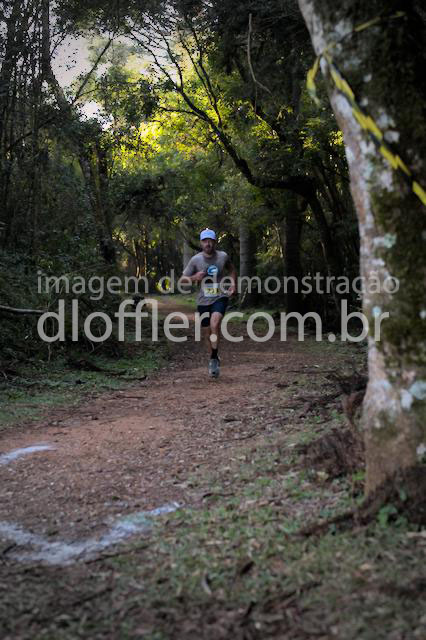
pixel 207 268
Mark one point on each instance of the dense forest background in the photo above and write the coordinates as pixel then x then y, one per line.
pixel 286 500
pixel 192 114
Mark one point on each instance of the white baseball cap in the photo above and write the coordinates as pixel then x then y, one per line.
pixel 207 233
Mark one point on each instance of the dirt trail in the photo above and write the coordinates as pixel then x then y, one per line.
pixel 133 450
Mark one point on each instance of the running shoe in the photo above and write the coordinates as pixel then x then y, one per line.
pixel 214 367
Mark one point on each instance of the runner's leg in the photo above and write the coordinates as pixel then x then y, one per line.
pixel 205 315
pixel 214 362
pixel 211 333
pixel 206 336
pixel 215 322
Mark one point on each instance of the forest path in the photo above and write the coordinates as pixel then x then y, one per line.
pixel 96 470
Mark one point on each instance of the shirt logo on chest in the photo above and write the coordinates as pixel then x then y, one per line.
pixel 211 287
pixel 212 270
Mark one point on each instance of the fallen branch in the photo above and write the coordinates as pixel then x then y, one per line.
pixel 322 401
pixel 316 371
pixel 251 435
pixel 18 312
pixel 86 365
pixel 82 600
pixel 9 548
pixel 106 556
pixel 211 494
pixel 134 397
pixel 249 62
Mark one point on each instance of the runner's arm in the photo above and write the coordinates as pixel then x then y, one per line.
pixel 196 277
pixel 190 274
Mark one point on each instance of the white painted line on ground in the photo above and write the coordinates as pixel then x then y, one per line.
pixel 24 451
pixel 63 553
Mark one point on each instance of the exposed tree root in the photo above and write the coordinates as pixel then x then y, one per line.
pixel 339 452
pixel 405 491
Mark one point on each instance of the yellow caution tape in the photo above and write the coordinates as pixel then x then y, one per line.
pixel 419 191
pixel 367 123
pixel 310 81
pixel 377 19
pixel 364 119
pixel 366 25
pixel 341 84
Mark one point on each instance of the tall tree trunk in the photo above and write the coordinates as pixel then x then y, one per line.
pixel 187 251
pixel 91 157
pixel 7 66
pixel 330 250
pixel 292 260
pixel 9 120
pixel 384 65
pixel 247 263
pixel 291 250
pixel 89 170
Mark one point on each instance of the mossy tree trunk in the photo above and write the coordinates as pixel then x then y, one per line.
pixel 187 251
pixel 248 248
pixel 292 264
pixel 384 65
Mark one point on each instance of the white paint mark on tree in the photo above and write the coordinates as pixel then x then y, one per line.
pixel 342 29
pixel 385 121
pixel 387 241
pixel 378 262
pixel 391 136
pixel 349 155
pixel 418 390
pixel 406 399
pixel 421 450
pixel 317 32
pixel 385 179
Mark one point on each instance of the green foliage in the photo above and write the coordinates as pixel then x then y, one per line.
pixel 191 132
pixel 28 389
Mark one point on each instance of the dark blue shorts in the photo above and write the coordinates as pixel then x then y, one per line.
pixel 219 305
